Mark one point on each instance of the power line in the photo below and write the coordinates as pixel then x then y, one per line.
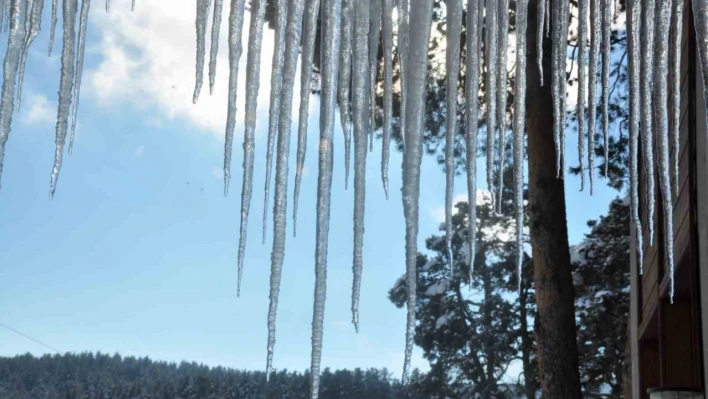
pixel 30 338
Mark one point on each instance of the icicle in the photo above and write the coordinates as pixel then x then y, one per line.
pixel 582 42
pixel 374 31
pixel 31 31
pixel 563 80
pixel 280 203
pixel 308 54
pixel 360 105
pixel 633 64
pixel 677 23
pixel 555 78
pixel 83 24
pixel 7 12
pixel 281 10
pixel 3 5
pixel 387 28
pixel 132 6
pixel 69 9
pixel 10 66
pixel 452 66
pixel 345 80
pixel 606 60
pixel 202 15
pixel 700 20
pixel 235 50
pixel 108 5
pixel 53 27
pixel 592 84
pixel 541 13
pixel 547 17
pixel 253 72
pixel 403 10
pixel 472 126
pixel 647 66
pixel 490 58
pixel 501 89
pixel 480 30
pixel 519 123
pixel 421 18
pixel 331 30
pixel 215 27
pixel 662 131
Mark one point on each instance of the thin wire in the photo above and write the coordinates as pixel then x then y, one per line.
pixel 30 338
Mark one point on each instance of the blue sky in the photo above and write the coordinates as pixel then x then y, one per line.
pixel 137 252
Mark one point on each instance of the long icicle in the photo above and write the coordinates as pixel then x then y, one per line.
pixel 331 31
pixel 490 59
pixel 235 50
pixel 633 48
pixel 31 32
pixel 201 24
pixel 519 124
pixel 53 26
pixel 69 9
pixel 452 65
pixel 592 85
pixel 661 129
pixel 360 105
pixel 375 10
pixel 253 71
pixel 281 10
pixel 606 60
pixel 555 78
pixel 308 53
pixel 83 25
pixel 403 11
pixel 10 66
pixel 280 200
pixel 387 29
pixel 676 33
pixel 215 28
pixel 345 82
pixel 647 65
pixel 472 114
pixel 562 62
pixel 582 43
pixel 421 18
pixel 502 75
pixel 541 14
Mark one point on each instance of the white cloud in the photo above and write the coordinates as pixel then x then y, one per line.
pixel 147 59
pixel 438 213
pixel 37 109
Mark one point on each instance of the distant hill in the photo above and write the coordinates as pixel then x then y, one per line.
pixel 102 376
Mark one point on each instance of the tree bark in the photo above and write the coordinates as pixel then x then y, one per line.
pixel 555 327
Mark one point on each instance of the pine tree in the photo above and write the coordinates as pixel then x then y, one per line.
pixel 601 271
pixel 469 332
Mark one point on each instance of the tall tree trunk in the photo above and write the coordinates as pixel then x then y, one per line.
pixel 555 327
pixel 526 347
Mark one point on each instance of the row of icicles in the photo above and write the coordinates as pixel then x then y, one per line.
pixel 350 32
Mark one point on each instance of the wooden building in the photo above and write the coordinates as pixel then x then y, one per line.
pixel 669 341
